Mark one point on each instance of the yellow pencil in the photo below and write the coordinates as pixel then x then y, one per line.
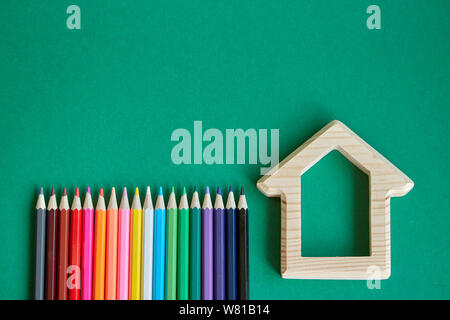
pixel 136 245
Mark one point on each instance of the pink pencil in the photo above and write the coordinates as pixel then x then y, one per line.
pixel 124 247
pixel 87 247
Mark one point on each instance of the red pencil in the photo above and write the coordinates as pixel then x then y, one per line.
pixel 63 246
pixel 74 284
pixel 50 259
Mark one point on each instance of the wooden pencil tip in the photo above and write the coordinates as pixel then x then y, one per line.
pixel 77 192
pixel 53 191
pixel 101 192
pixel 64 192
pixel 136 191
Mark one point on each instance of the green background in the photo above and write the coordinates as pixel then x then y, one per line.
pixel 97 107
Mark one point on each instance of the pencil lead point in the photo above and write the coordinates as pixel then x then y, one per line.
pixel 53 191
pixel 88 190
pixel 231 189
pixel 184 191
pixel 173 189
pixel 136 191
pixel 242 191
pixel 207 190
pixel 160 192
pixel 219 191
pixel 64 191
pixel 148 190
pixel 124 189
pixel 101 192
pixel 77 192
pixel 41 191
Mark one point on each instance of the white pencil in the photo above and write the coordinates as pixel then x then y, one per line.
pixel 147 250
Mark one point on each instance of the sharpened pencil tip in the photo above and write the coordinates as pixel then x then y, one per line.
pixel 101 192
pixel 242 190
pixel 41 191
pixel 136 191
pixel 195 189
pixel 219 191
pixel 148 190
pixel 230 189
pixel 160 193
pixel 53 191
pixel 77 192
pixel 88 190
pixel 64 191
pixel 173 189
pixel 184 191
pixel 124 189
pixel 207 190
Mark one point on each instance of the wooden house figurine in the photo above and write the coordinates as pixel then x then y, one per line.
pixel 284 181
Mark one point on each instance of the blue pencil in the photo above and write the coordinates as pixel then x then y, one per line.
pixel 231 266
pixel 159 247
pixel 219 247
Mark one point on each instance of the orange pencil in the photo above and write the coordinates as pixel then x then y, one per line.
pixel 111 247
pixel 99 249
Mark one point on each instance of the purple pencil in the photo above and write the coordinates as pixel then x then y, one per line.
pixel 207 247
pixel 219 247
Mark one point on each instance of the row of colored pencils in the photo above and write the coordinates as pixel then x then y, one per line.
pixel 142 252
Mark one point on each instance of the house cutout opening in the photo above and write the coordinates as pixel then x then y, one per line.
pixel 335 209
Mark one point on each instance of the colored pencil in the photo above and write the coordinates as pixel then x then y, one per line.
pixel 160 248
pixel 75 248
pixel 242 243
pixel 147 249
pixel 99 248
pixel 183 248
pixel 50 261
pixel 39 279
pixel 207 247
pixel 136 247
pixel 195 261
pixel 123 257
pixel 63 245
pixel 230 245
pixel 111 247
pixel 87 247
pixel 219 247
pixel 171 243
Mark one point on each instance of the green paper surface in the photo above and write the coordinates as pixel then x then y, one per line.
pixel 97 107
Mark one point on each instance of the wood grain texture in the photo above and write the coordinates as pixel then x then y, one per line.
pixel 385 181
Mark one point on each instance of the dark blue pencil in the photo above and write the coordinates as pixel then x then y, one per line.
pixel 231 266
pixel 219 247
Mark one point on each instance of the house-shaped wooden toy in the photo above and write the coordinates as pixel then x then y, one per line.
pixel 284 181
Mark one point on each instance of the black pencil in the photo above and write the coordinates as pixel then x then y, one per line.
pixel 242 244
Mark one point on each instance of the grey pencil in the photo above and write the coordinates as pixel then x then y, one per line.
pixel 40 247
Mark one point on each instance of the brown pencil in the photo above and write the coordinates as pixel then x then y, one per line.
pixel 63 246
pixel 50 259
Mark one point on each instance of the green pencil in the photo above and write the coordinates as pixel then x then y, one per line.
pixel 171 245
pixel 183 248
pixel 195 268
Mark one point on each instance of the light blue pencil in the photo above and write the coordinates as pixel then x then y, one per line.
pixel 159 248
